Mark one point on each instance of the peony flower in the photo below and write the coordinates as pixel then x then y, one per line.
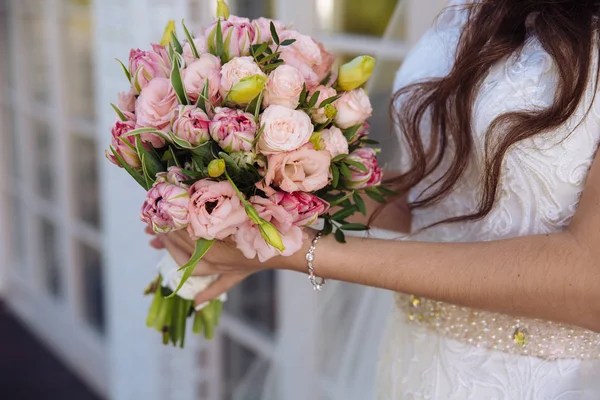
pixel 238 36
pixel 355 73
pixel 191 124
pixel 360 179
pixel 207 67
pixel 250 241
pixel 284 129
pixel 262 27
pixel 305 170
pixel 353 108
pixel 216 212
pixel 325 92
pixel 118 132
pixel 308 56
pixel 174 176
pixel 188 54
pixel 304 208
pixel 144 66
pixel 284 87
pixel 154 108
pixel 335 141
pixel 166 207
pixel 234 130
pixel 126 101
pixel 236 70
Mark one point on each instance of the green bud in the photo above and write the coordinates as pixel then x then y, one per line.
pixel 222 9
pixel 355 73
pixel 271 235
pixel 330 111
pixel 167 35
pixel 253 214
pixel 216 168
pixel 317 141
pixel 247 89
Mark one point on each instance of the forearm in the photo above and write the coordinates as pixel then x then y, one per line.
pixel 545 276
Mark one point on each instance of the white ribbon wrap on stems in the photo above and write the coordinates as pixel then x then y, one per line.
pixel 171 276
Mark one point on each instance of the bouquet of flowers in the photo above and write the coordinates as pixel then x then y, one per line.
pixel 244 131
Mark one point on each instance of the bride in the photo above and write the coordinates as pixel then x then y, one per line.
pixel 497 273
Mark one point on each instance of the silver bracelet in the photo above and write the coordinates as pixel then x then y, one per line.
pixel 317 282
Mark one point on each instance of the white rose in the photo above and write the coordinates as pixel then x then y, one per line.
pixel 325 92
pixel 171 276
pixel 335 141
pixel 196 74
pixel 284 129
pixel 284 87
pixel 236 70
pixel 188 55
pixel 353 108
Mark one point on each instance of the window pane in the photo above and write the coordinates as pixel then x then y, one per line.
pixel 9 148
pixel 77 46
pixel 252 8
pixel 254 301
pixel 93 286
pixel 5 50
pixel 51 261
pixel 43 152
pixel 17 240
pixel 33 34
pixel 243 372
pixel 355 16
pixel 85 179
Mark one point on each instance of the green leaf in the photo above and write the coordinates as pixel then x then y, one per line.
pixel 387 192
pixel 232 167
pixel 351 132
pixel 339 158
pixel 122 116
pixel 340 199
pixel 345 171
pixel 127 73
pixel 370 141
pixel 354 227
pixel 360 203
pixel 327 227
pixel 177 83
pixel 313 100
pixel 288 42
pixel 339 236
pixel 172 152
pixel 176 44
pixel 259 49
pixel 344 213
pixel 151 164
pixel 134 174
pixel 335 173
pixel 136 132
pixel 269 67
pixel 274 34
pixel 358 165
pixel 258 105
pixel 219 45
pixel 202 246
pixel 329 100
pixel 303 94
pixel 374 194
pixel 197 326
pixel 326 79
pixel 155 306
pixel 190 40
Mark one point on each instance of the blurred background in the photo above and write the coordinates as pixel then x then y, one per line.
pixel 74 260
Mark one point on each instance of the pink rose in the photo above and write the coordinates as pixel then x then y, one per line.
pixel 305 170
pixel 199 43
pixel 147 65
pixel 174 176
pixel 192 125
pixel 353 108
pixel 234 130
pixel 360 179
pixel 304 208
pixel 335 141
pixel 284 129
pixel 250 242
pixel 325 92
pixel 308 56
pixel 118 132
pixel 236 70
pixel 126 101
pixel 166 207
pixel 284 87
pixel 262 27
pixel 154 108
pixel 216 212
pixel 238 36
pixel 196 74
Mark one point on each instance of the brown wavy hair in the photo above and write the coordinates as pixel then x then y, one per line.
pixel 495 29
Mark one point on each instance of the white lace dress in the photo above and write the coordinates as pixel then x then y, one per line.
pixel 437 351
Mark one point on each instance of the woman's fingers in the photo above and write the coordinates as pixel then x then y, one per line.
pixel 220 286
pixel 157 243
pixel 180 255
pixel 184 240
